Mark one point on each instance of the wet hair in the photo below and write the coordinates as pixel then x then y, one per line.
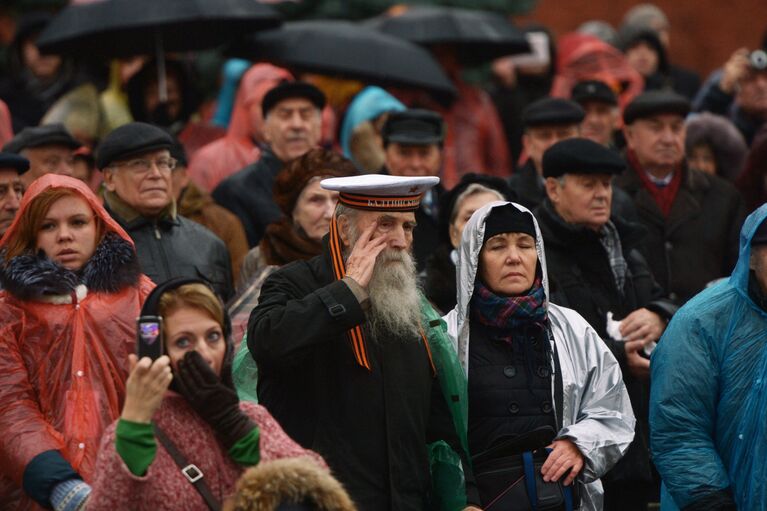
pixel 32 218
pixel 195 296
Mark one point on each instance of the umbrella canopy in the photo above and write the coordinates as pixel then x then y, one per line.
pixel 349 50
pixel 123 28
pixel 478 35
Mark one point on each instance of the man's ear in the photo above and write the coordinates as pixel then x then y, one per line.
pixel 343 230
pixel 628 135
pixel 109 179
pixel 552 189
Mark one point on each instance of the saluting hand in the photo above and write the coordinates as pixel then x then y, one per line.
pixel 145 388
pixel 564 456
pixel 362 260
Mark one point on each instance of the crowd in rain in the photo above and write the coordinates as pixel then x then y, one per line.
pixel 431 260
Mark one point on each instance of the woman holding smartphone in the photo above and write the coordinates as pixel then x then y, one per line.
pixel 72 290
pixel 181 411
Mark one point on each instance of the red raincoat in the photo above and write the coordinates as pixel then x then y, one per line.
pixel 64 362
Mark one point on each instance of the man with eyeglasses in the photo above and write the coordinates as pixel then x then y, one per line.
pixel 12 166
pixel 136 162
pixel 49 149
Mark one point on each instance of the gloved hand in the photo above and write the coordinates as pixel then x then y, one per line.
pixel 216 403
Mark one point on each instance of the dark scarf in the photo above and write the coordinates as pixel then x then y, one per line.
pixel 283 243
pixel 508 313
pixel 112 267
pixel 664 195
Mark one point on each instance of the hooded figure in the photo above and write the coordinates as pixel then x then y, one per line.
pixel 65 337
pixel 593 413
pixel 707 429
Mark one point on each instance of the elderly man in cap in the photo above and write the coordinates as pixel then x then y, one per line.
pixel 692 218
pixel 413 147
pixel 546 122
pixel 137 166
pixel 49 149
pixel 708 389
pixel 595 268
pixel 600 104
pixel 292 126
pixel 342 351
pixel 12 166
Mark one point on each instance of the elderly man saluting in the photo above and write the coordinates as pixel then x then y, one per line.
pixel 344 364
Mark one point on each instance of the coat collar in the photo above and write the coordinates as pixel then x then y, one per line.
pixel 131 218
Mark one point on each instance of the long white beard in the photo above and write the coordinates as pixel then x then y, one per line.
pixel 395 308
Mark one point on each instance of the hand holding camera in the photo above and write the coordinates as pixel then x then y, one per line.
pixel 739 66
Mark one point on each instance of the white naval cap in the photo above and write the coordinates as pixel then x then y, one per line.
pixel 379 192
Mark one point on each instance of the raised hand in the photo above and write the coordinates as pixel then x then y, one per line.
pixel 145 388
pixel 362 260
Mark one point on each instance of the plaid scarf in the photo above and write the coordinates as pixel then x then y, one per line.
pixel 508 312
pixel 612 243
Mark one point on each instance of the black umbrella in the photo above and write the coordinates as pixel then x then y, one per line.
pixel 345 49
pixel 477 35
pixel 123 28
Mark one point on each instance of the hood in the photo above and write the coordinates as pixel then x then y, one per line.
pixel 55 181
pixel 468 261
pixel 370 103
pixel 739 277
pixel 255 83
pixel 726 142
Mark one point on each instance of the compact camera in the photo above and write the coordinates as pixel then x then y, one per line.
pixel 758 59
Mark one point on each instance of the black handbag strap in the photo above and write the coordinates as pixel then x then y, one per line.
pixel 558 385
pixel 192 473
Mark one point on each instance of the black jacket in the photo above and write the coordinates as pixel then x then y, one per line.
pixel 371 427
pixel 248 194
pixel 174 246
pixel 439 279
pixel 698 242
pixel 580 277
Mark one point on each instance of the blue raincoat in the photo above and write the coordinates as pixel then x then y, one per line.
pixel 370 103
pixel 708 426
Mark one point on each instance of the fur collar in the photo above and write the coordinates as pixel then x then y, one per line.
pixel 112 267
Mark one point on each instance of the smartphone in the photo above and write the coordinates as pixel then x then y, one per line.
pixel 149 337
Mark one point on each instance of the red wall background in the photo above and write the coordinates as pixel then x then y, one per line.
pixel 703 32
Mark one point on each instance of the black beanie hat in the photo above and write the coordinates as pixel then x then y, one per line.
pixel 508 218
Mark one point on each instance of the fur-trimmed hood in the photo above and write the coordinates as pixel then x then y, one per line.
pixel 297 481
pixel 112 267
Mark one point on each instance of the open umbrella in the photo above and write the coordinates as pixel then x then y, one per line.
pixel 123 28
pixel 349 50
pixel 477 35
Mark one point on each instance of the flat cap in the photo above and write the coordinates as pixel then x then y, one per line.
pixel 655 102
pixel 593 90
pixel 289 90
pixel 37 136
pixel 581 156
pixel 414 126
pixel 13 161
pixel 552 111
pixel 129 140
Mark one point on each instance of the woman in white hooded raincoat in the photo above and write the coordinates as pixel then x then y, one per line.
pixel 596 415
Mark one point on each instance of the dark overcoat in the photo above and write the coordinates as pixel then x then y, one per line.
pixel 698 242
pixel 371 426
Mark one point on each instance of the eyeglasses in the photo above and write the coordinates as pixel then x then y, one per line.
pixel 141 166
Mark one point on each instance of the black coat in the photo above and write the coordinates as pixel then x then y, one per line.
pixel 580 277
pixel 371 427
pixel 439 279
pixel 178 247
pixel 248 194
pixel 698 242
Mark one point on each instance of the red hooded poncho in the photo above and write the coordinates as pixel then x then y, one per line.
pixel 64 358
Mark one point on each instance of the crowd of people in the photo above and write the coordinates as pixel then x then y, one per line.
pixel 548 294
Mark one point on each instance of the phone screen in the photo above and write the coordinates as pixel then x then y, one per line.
pixel 149 333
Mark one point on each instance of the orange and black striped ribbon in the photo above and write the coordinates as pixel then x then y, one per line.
pixel 356 337
pixel 379 203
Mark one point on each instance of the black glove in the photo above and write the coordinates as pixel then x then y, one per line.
pixel 216 403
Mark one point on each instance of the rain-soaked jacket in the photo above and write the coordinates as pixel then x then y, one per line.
pixel 709 392
pixel 225 156
pixel 596 412
pixel 65 340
